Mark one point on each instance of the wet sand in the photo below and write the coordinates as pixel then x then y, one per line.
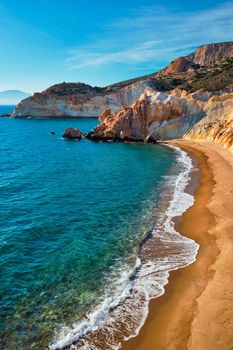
pixel 196 311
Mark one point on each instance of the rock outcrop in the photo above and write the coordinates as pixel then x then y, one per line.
pixel 217 125
pixel 205 55
pixel 72 134
pixel 170 113
pixel 155 115
pixel 77 100
pixel 180 64
pixel 208 54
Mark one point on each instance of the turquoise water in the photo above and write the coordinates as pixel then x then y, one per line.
pixel 72 217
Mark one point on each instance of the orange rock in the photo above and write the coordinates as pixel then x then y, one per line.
pixel 154 115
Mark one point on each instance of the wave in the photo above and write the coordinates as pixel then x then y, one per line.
pixel 122 313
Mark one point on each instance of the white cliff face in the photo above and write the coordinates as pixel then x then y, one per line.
pixel 175 113
pixel 217 125
pixel 78 105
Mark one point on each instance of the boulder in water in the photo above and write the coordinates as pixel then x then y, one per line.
pixel 72 134
pixel 5 115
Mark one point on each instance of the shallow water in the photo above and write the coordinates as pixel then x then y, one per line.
pixel 72 218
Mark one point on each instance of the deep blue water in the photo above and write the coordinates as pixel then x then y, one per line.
pixel 6 109
pixel 72 215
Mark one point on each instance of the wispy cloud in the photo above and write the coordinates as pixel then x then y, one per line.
pixel 154 37
pixel 135 54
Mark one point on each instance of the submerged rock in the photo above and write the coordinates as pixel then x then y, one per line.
pixel 72 134
pixel 5 115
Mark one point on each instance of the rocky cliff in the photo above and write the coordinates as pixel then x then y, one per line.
pixel 155 115
pixel 191 93
pixel 191 98
pixel 210 68
pixel 205 55
pixel 208 54
pixel 77 100
pixel 217 125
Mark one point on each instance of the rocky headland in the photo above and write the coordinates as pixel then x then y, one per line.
pixel 191 98
pixel 77 100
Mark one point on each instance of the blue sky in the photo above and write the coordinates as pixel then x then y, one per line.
pixel 43 42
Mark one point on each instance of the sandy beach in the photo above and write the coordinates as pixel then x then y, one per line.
pixel 196 311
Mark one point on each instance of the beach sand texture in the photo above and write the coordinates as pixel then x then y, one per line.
pixel 196 312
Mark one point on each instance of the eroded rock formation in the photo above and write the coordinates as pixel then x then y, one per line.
pixel 217 125
pixel 155 115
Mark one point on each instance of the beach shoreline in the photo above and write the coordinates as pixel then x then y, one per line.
pixel 153 266
pixel 196 310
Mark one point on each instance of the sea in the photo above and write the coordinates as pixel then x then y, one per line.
pixel 87 234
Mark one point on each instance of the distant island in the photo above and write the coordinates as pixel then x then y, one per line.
pixel 12 97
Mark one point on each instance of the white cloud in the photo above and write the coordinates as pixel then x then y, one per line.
pixel 154 36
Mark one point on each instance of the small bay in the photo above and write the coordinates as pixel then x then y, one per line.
pixel 72 217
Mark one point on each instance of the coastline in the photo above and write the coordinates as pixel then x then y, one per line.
pixel 150 274
pixel 196 295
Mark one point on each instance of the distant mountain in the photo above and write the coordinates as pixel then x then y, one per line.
pixel 12 97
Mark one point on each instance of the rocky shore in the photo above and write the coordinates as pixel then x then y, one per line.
pixel 191 98
pixel 159 116
pixel 205 114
